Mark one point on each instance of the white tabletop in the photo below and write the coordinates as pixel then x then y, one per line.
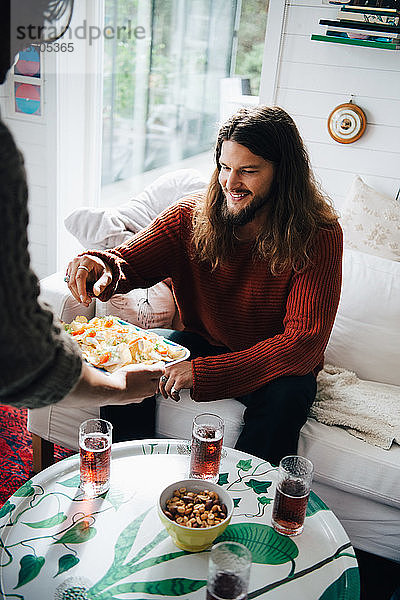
pixel 56 545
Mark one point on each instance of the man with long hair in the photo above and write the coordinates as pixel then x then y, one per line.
pixel 255 265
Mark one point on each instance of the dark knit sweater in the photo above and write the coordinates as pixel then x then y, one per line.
pixel 273 325
pixel 39 363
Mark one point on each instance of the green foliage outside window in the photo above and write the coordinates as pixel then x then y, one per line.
pixel 251 37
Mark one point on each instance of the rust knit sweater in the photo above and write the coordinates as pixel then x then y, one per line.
pixel 273 325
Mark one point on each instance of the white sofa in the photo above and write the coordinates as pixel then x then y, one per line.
pixel 357 480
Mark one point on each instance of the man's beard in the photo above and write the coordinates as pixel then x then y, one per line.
pixel 244 216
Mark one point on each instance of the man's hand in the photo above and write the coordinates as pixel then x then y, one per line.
pixel 84 270
pixel 139 381
pixel 177 377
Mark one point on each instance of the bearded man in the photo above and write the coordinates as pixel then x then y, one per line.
pixel 255 265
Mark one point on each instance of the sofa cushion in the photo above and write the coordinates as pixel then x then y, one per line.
pixel 101 228
pixel 127 306
pixel 366 333
pixel 359 482
pixel 174 419
pixel 371 221
pixel 350 464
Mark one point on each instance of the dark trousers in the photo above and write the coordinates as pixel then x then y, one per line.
pixel 274 413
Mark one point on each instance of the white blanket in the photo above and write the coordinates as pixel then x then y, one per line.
pixel 366 409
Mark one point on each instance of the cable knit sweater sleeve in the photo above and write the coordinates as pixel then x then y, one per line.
pixel 39 363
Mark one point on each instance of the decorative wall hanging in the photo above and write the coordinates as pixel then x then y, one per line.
pixel 347 123
pixel 26 88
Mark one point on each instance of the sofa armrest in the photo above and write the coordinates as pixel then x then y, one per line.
pixel 54 291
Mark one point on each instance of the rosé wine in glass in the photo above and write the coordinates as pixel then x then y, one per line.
pixel 229 566
pixel 291 496
pixel 95 456
pixel 207 438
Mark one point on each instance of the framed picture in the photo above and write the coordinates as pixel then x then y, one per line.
pixel 29 63
pixel 26 91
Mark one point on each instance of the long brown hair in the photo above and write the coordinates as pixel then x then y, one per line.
pixel 297 208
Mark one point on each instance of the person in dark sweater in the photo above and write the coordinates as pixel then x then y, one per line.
pixel 39 363
pixel 255 265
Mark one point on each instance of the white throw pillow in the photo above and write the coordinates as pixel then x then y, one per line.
pixel 371 221
pixel 102 228
pixel 126 306
pixel 366 333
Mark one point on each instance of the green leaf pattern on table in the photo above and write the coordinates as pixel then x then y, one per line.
pixel 78 534
pixel 266 546
pixel 259 487
pixel 223 478
pixel 346 586
pixel 315 504
pixel 264 500
pixel 177 586
pixel 50 522
pixel 66 562
pixel 30 566
pixel 72 482
pixel 126 539
pixel 236 502
pixel 115 497
pixel 25 490
pixel 6 508
pixel 244 465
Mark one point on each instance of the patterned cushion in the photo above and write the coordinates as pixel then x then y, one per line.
pixel 371 222
pixel 160 310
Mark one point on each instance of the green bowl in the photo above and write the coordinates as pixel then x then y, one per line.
pixel 186 538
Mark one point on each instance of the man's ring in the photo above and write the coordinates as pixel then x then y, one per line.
pixel 66 279
pixel 82 267
pixel 163 379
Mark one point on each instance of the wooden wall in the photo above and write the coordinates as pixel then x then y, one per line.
pixel 314 77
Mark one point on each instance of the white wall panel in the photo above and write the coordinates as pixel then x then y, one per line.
pixel 382 138
pixel 314 77
pixel 299 17
pixel 38 254
pixel 37 196
pixel 35 176
pixel 301 49
pixel 341 79
pixel 38 216
pixel 379 111
pixel 354 159
pixel 337 184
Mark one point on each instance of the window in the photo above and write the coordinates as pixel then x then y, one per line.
pixel 161 100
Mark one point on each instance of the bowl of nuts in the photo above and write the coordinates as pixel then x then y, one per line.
pixel 194 512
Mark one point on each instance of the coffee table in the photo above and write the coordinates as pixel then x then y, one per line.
pixel 56 545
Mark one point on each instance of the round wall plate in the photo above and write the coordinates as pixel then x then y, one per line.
pixel 346 123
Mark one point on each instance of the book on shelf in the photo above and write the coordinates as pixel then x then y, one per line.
pixel 370 7
pixel 391 20
pixel 353 42
pixel 368 28
pixel 361 35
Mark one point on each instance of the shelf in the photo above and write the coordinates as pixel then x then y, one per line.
pixel 354 42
